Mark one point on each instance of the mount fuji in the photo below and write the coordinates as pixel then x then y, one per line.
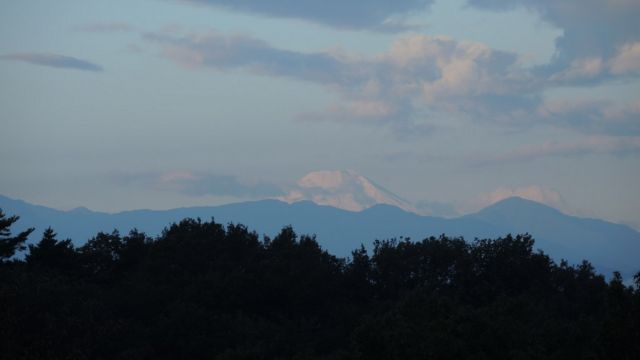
pixel 343 189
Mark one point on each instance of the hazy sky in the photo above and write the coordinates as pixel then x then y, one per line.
pixel 129 104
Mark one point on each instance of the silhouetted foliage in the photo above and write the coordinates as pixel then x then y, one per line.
pixel 204 290
pixel 10 244
pixel 52 253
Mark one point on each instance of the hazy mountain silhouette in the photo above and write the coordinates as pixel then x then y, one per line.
pixel 609 246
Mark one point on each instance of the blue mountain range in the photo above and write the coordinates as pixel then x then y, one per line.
pixel 607 245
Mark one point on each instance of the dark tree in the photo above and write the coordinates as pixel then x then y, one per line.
pixel 100 255
pixel 52 253
pixel 10 244
pixel 202 290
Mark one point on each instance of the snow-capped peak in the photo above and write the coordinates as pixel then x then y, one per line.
pixel 344 189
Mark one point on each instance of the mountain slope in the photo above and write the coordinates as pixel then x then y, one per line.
pixel 575 238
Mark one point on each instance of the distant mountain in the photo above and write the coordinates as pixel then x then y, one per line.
pixel 343 189
pixel 608 246
pixel 613 246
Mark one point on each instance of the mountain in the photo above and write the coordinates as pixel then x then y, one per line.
pixel 575 238
pixel 343 189
pixel 608 246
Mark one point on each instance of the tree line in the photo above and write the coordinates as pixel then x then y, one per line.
pixel 203 290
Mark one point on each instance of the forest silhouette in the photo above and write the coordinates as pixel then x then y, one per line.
pixel 207 290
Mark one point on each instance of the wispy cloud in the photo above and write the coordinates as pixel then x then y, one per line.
pixel 377 15
pixel 215 50
pixel 105 27
pixel 201 184
pixel 436 208
pixel 592 117
pixel 53 60
pixel 611 145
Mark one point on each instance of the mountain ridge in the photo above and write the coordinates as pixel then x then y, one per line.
pixel 609 246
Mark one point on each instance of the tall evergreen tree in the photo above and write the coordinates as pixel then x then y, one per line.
pixel 51 252
pixel 10 244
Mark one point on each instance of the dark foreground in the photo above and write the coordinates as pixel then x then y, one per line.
pixel 203 290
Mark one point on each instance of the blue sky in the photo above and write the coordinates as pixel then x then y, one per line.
pixel 164 103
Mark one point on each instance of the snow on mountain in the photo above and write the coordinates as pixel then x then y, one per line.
pixel 343 189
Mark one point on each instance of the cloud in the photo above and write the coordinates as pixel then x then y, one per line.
pixel 534 193
pixel 377 15
pixel 53 60
pixel 627 60
pixel 201 184
pixel 419 74
pixel 581 69
pixel 102 27
pixel 214 50
pixel 593 30
pixel 592 145
pixel 417 79
pixel 435 208
pixel 593 117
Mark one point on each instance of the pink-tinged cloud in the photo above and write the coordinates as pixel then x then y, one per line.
pixel 417 77
pixel 600 43
pixel 581 69
pixel 624 62
pixel 593 30
pixel 417 73
pixel 627 60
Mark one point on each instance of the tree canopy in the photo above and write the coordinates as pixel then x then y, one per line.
pixel 10 244
pixel 205 290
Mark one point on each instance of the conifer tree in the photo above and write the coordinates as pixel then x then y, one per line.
pixel 10 244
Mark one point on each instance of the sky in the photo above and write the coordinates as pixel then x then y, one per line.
pixel 166 103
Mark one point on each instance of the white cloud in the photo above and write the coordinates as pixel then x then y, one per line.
pixel 418 77
pixel 418 72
